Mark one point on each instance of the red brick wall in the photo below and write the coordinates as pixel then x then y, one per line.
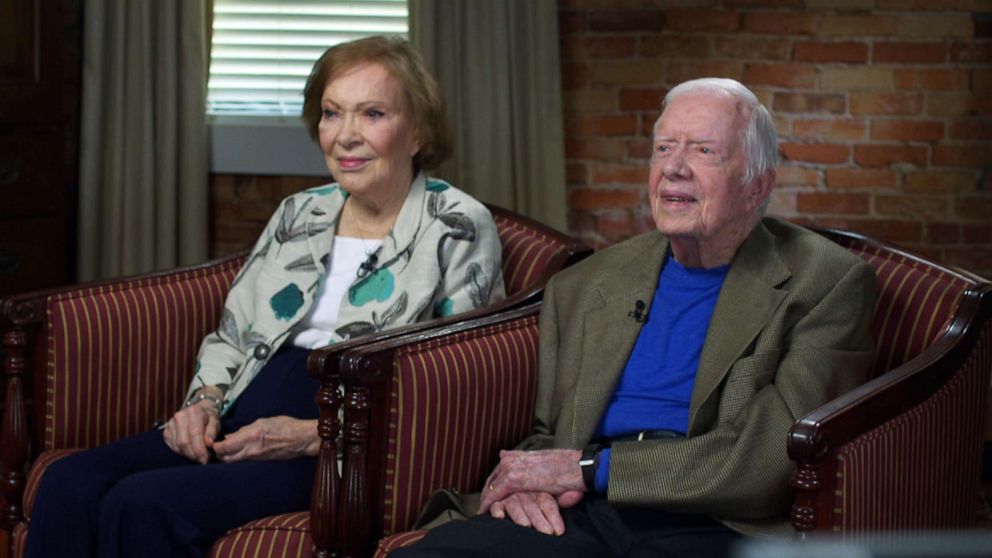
pixel 241 205
pixel 883 109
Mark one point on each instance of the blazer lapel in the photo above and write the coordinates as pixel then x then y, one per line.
pixel 322 223
pixel 609 333
pixel 747 301
pixel 398 244
pixel 395 251
pixel 328 205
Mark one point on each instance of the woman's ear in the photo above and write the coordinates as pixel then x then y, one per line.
pixel 416 142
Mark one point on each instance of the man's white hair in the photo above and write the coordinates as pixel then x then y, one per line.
pixel 760 139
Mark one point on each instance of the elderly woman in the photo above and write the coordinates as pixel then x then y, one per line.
pixel 381 247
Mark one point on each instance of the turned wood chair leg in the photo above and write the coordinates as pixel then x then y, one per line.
pixel 14 431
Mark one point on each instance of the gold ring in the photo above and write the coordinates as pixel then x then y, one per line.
pixel 491 487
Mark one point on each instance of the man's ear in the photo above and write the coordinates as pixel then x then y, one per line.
pixel 760 188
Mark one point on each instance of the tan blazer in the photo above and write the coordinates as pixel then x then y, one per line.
pixel 790 332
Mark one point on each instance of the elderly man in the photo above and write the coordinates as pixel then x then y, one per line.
pixel 673 364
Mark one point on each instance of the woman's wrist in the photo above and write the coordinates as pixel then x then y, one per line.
pixel 312 447
pixel 207 393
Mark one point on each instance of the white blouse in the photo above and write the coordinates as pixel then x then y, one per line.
pixel 347 256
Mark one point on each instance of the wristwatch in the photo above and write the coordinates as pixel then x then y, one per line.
pixel 588 462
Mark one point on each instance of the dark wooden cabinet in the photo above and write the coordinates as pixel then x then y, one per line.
pixel 34 155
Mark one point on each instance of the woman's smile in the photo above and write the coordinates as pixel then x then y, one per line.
pixel 352 163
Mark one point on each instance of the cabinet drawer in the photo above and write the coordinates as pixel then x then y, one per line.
pixel 30 178
pixel 33 254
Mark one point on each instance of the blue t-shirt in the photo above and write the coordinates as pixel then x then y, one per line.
pixel 656 386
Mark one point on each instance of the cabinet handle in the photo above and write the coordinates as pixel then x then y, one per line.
pixel 8 172
pixel 9 262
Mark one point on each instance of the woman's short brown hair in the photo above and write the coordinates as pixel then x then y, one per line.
pixel 420 90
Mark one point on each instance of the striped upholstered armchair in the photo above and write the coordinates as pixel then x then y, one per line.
pixel 88 364
pixel 903 451
pixel 426 411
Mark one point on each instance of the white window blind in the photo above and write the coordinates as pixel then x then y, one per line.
pixel 263 51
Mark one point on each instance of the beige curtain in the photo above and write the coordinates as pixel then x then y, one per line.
pixel 143 140
pixel 498 64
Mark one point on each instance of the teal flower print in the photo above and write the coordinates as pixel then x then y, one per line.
pixel 378 286
pixel 436 186
pixel 444 307
pixel 322 190
pixel 287 302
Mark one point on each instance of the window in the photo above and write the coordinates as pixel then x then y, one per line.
pixel 263 51
pixel 261 55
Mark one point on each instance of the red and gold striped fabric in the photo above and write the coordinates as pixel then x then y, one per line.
pixel 915 305
pixel 526 253
pixel 277 536
pixel 941 496
pixel 391 543
pixel 37 470
pixel 120 355
pixel 446 426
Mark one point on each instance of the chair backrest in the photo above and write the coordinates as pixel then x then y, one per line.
pixel 119 352
pixel 145 332
pixel 917 298
pixel 532 251
pixel 441 404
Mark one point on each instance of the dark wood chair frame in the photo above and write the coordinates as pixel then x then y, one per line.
pixel 22 319
pixel 814 439
pixel 366 373
pixel 336 519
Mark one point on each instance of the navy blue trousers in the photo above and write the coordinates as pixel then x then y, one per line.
pixel 136 497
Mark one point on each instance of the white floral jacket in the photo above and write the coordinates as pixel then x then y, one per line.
pixel 442 257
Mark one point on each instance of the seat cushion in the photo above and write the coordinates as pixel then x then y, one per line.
pixel 391 543
pixel 286 535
